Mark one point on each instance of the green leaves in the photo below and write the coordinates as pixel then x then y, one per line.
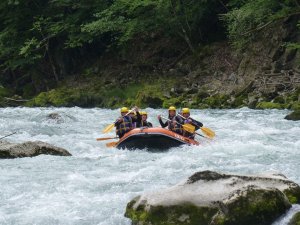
pixel 250 16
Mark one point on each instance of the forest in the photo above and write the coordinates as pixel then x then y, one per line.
pixel 44 42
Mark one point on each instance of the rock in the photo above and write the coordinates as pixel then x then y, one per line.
pixel 269 105
pixel 29 149
pixel 56 117
pixel 295 219
pixel 252 101
pixel 192 90
pixel 293 116
pixel 213 198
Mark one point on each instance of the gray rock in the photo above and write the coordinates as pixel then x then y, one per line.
pixel 29 149
pixel 55 117
pixel 293 116
pixel 212 198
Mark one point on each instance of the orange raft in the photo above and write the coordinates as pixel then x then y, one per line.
pixel 152 139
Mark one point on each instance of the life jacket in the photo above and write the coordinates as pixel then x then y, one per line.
pixel 177 128
pixel 186 133
pixel 125 126
pixel 145 124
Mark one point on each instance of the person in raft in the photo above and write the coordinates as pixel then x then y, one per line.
pixel 123 123
pixel 143 122
pixel 136 117
pixel 174 121
pixel 186 119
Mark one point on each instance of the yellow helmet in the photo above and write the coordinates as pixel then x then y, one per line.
pixel 185 110
pixel 124 110
pixel 144 113
pixel 172 108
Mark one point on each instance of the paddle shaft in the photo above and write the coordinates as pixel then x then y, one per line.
pixel 107 138
pixel 188 118
pixel 8 135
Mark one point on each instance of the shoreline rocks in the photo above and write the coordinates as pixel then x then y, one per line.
pixel 29 149
pixel 293 116
pixel 216 199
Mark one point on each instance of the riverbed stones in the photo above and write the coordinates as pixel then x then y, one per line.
pixel 211 198
pixel 29 149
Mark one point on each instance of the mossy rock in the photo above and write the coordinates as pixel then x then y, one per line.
pixel 185 214
pixel 293 116
pixel 215 101
pixel 295 219
pixel 279 99
pixel 295 106
pixel 172 102
pixel 211 198
pixel 40 100
pixel 253 207
pixel 239 102
pixel 270 105
pixel 293 194
pixel 202 106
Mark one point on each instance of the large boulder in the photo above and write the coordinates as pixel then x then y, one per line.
pixel 210 198
pixel 29 149
pixel 293 116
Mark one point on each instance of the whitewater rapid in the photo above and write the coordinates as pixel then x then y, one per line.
pixel 95 184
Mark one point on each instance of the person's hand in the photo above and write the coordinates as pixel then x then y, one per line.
pixel 135 108
pixel 159 117
pixel 120 119
pixel 174 123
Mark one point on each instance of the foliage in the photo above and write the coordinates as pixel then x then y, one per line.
pixel 248 17
pixel 56 38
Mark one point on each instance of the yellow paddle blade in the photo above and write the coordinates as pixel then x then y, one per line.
pixel 208 132
pixel 111 144
pixel 106 138
pixel 108 128
pixel 189 128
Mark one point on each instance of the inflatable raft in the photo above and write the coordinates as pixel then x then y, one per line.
pixel 153 139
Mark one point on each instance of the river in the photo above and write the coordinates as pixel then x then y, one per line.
pixel 95 184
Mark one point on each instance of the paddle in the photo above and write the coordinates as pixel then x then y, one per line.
pixel 8 135
pixel 111 126
pixel 106 138
pixel 208 132
pixel 111 144
pixel 187 127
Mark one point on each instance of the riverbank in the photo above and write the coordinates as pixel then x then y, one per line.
pixel 264 75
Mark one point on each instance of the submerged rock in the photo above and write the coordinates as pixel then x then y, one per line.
pixel 295 219
pixel 293 116
pixel 210 198
pixel 55 117
pixel 29 149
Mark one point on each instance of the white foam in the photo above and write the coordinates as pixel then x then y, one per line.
pixel 95 184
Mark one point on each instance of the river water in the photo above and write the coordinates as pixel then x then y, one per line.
pixel 95 184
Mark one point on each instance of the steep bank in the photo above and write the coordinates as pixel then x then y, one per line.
pixel 159 74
